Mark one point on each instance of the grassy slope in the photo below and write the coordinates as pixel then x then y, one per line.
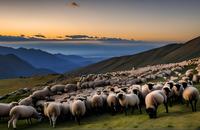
pixel 10 85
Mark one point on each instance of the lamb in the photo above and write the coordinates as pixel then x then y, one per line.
pixel 58 88
pixel 42 94
pixel 78 109
pixel 129 100
pixel 153 100
pixel 191 94
pixel 5 108
pixel 22 112
pixel 52 110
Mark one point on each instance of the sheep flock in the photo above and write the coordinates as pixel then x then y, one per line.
pixel 114 92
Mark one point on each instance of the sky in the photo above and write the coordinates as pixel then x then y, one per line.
pixel 148 20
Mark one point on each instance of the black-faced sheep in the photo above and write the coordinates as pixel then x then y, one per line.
pixel 52 110
pixel 147 88
pixel 191 94
pixel 129 100
pixel 22 112
pixel 5 108
pixel 78 109
pixel 153 100
pixel 178 91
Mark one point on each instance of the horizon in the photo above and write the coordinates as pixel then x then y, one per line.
pixel 166 21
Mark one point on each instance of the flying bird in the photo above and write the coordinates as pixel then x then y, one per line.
pixel 73 4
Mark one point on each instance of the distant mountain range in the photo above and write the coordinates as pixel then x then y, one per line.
pixel 38 59
pixel 12 66
pixel 166 54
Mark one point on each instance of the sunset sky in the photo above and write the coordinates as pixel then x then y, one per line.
pixel 150 20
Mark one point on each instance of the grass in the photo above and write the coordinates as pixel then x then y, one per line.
pixel 10 85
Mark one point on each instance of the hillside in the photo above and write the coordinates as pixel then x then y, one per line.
pixel 12 66
pixel 167 54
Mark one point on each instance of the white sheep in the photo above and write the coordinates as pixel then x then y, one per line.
pixel 22 112
pixel 58 88
pixel 28 101
pixel 5 108
pixel 42 94
pixel 52 110
pixel 112 102
pixel 78 109
pixel 70 87
pixel 153 100
pixel 97 102
pixel 147 88
pixel 129 100
pixel 191 94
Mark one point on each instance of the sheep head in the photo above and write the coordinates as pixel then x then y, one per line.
pixel 152 112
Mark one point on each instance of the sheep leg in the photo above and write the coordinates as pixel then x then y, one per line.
pixel 50 122
pixel 195 105
pixel 54 118
pixel 125 110
pixel 30 121
pixel 14 123
pixel 191 105
pixel 10 121
pixel 139 106
pixel 166 107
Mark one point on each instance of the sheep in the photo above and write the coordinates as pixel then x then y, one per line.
pixel 97 102
pixel 178 91
pixel 112 102
pixel 153 100
pixel 191 94
pixel 5 108
pixel 129 100
pixel 140 96
pixel 196 78
pixel 147 88
pixel 42 94
pixel 52 110
pixel 70 88
pixel 22 112
pixel 28 101
pixel 78 109
pixel 58 88
pixel 189 73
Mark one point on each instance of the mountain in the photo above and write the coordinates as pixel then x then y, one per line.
pixel 78 60
pixel 58 63
pixel 166 54
pixel 12 66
